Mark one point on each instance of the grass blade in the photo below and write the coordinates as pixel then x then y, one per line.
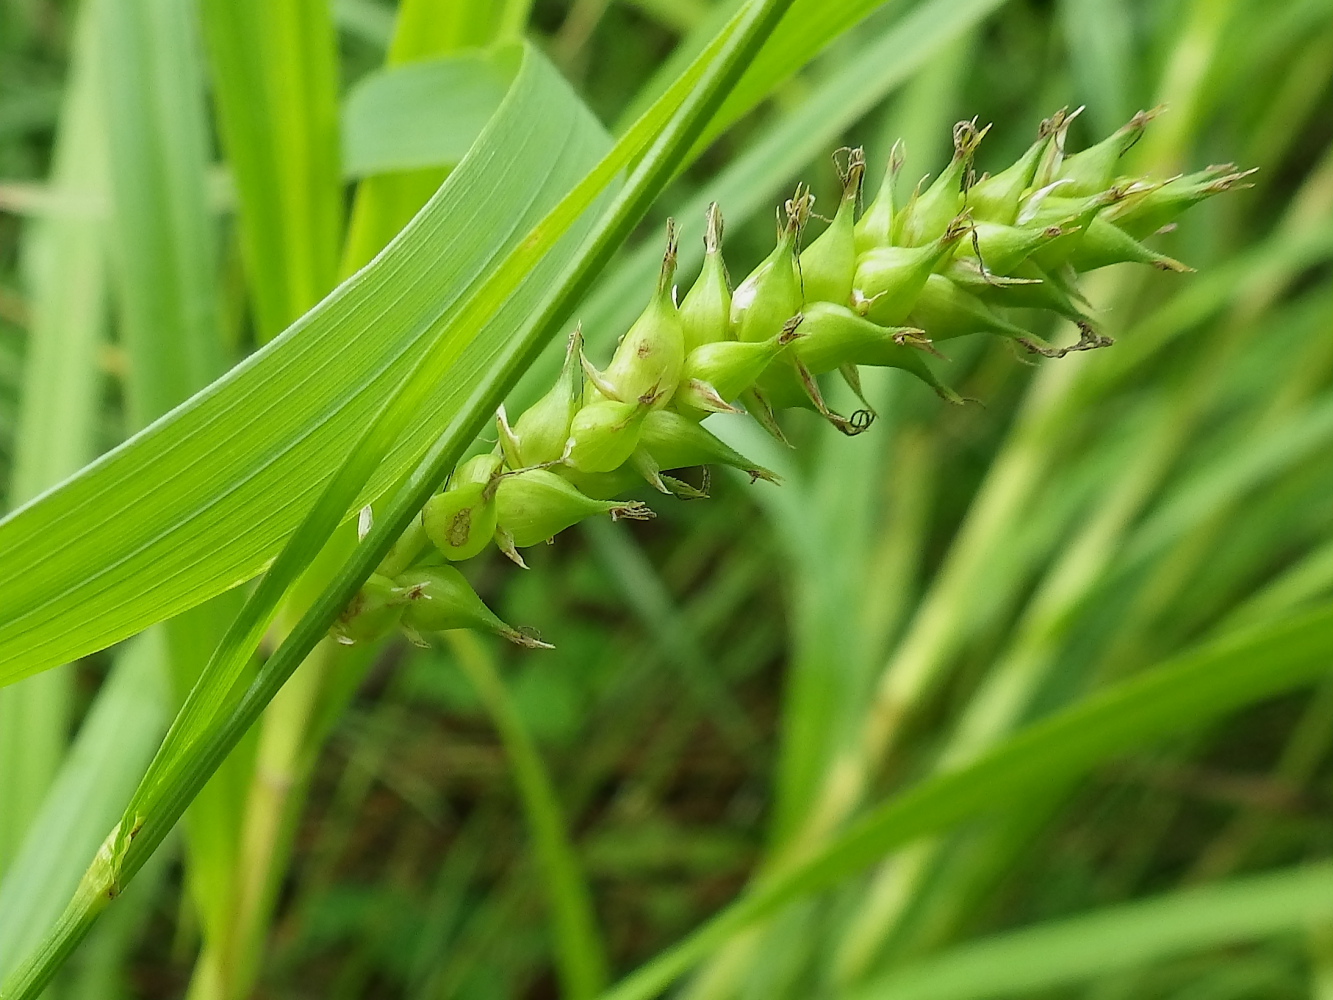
pixel 274 65
pixel 580 956
pixel 1117 938
pixel 104 764
pixel 1176 697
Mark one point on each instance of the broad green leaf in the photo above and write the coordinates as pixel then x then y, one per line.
pixel 423 31
pixel 424 114
pixel 216 485
pixel 1178 696
pixel 1116 938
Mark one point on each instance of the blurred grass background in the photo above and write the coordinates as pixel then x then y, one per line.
pixel 734 679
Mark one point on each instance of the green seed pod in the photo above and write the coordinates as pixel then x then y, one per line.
pixel 725 370
pixel 601 485
pixel 1094 168
pixel 829 263
pixel 537 504
pixel 1002 248
pixel 439 599
pixel 946 311
pixel 928 214
pixel 372 613
pixel 1144 215
pixel 996 198
pixel 649 356
pixel 705 314
pixel 696 398
pixel 676 442
pixel 771 295
pixel 1073 216
pixel 760 407
pixel 461 520
pixel 782 387
pixel 480 469
pixel 835 336
pixel 1106 243
pixel 788 383
pixel 1053 155
pixel 875 227
pixel 1028 288
pixel 406 551
pixel 542 430
pixel 889 279
pixel 605 433
pixel 1049 208
pixel 650 472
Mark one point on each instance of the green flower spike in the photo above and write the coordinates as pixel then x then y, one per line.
pixel 875 227
pixel 722 371
pixel 535 505
pixel 705 313
pixel 1094 169
pixel 652 352
pixel 372 614
pixel 461 520
pixel 889 279
pixel 929 213
pixel 829 263
pixel 541 432
pixel 771 295
pixel 439 599
pixel 605 433
pixel 676 442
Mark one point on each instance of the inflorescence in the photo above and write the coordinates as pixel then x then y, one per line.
pixel 881 290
